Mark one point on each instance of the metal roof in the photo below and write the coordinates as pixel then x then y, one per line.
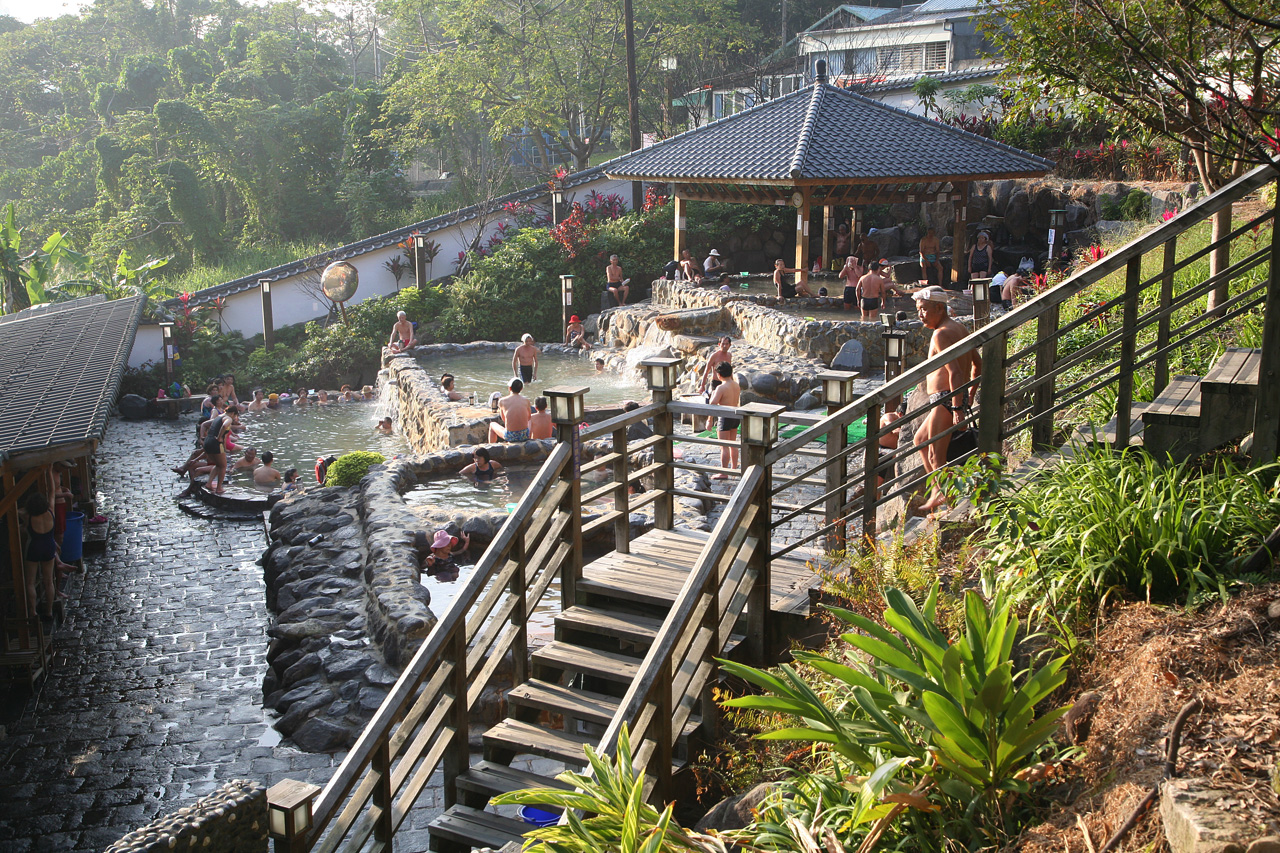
pixel 381 241
pixel 825 133
pixel 60 371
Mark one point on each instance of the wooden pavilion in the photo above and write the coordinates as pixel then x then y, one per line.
pixel 60 371
pixel 824 146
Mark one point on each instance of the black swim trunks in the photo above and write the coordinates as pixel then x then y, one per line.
pixel 870 303
pixel 851 295
pixel 727 424
pixel 788 289
pixel 526 373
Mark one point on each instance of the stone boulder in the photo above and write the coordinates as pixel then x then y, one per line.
pixel 1017 215
pixel 132 407
pixel 889 241
pixel 734 812
pixel 850 356
pixel 1001 191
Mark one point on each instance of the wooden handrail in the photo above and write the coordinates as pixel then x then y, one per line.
pixel 1034 308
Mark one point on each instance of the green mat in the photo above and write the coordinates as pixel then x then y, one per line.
pixel 856 432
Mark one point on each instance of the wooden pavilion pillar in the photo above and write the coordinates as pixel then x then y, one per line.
pixel 828 234
pixel 959 230
pixel 803 214
pixel 680 214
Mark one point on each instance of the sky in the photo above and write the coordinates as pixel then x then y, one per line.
pixel 29 10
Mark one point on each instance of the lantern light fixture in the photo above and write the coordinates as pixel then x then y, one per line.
pixel 568 404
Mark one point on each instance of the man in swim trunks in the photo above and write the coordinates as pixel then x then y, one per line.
pixel 614 282
pixel 851 273
pixel 868 250
pixel 872 288
pixel 718 357
pixel 929 249
pixel 727 393
pixel 1011 288
pixel 952 407
pixel 402 329
pixel 516 416
pixel 524 361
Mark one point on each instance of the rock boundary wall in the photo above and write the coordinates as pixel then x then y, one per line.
pixel 232 819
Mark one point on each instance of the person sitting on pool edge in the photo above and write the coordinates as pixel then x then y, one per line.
pixel 575 334
pixel 482 469
pixel 516 415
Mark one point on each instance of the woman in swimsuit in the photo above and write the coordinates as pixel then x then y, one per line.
pixel 41 552
pixel 215 447
pixel 981 257
pixel 482 469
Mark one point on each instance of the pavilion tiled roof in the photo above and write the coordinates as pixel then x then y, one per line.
pixel 825 133
pixel 60 371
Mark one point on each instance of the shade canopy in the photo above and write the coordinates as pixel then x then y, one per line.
pixel 824 135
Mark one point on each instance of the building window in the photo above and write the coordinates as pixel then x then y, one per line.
pixel 912 57
pixel 717 110
pixel 935 56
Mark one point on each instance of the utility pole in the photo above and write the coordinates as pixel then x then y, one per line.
pixel 633 98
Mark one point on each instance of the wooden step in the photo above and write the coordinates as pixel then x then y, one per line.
pixel 1236 366
pixel 1228 397
pixel 463 828
pixel 558 699
pixel 620 589
pixel 526 738
pixel 607 665
pixel 1177 405
pixel 488 778
pixel 628 627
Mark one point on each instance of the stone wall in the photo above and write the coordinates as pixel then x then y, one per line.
pixel 233 819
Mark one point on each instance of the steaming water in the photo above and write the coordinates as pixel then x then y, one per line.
pixel 298 436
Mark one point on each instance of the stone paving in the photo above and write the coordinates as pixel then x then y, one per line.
pixel 155 695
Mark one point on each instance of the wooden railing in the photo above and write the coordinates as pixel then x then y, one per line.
pixel 1030 379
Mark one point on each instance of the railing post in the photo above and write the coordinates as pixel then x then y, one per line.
pixel 384 826
pixel 1044 394
pixel 1266 417
pixel 662 376
pixel 759 432
pixel 567 410
pixel 1164 323
pixel 837 392
pixel 870 478
pixel 664 755
pixel 518 588
pixel 457 758
pixel 991 395
pixel 621 498
pixel 1128 348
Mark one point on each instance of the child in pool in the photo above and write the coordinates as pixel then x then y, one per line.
pixel 443 549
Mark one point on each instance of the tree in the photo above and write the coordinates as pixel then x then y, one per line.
pixel 27 278
pixel 1202 72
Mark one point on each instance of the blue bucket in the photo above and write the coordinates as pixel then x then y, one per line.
pixel 73 537
pixel 537 817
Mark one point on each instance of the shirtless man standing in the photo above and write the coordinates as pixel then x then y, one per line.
pixel 615 283
pixel 931 305
pixel 727 394
pixel 717 358
pixel 524 361
pixel 404 330
pixel 852 272
pixel 872 288
pixel 929 250
pixel 515 414
pixel 868 250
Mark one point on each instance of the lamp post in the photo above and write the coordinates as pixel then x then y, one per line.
pixel 837 392
pixel 568 407
pixel 557 199
pixel 420 260
pixel 981 301
pixel 268 325
pixel 662 375
pixel 1057 234
pixel 289 805
pixel 166 330
pixel 895 348
pixel 566 299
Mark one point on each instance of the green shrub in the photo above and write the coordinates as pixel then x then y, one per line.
pixel 514 290
pixel 273 369
pixel 956 712
pixel 348 468
pixel 1102 521
pixel 1136 205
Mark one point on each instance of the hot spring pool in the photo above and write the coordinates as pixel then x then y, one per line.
pixel 486 372
pixel 502 493
pixel 298 436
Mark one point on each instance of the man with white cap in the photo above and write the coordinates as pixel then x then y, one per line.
pixel 951 406
pixel 524 361
pixel 714 267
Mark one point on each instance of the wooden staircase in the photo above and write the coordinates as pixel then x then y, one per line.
pixel 575 684
pixel 1192 415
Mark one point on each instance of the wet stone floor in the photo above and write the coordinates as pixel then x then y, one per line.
pixel 154 698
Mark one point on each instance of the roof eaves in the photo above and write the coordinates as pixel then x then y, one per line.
pixel 796 169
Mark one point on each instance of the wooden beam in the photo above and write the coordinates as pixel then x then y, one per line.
pixel 828 233
pixel 680 215
pixel 803 214
pixel 49 455
pixel 11 495
pixel 22 607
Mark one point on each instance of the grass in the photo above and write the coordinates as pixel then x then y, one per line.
pixel 245 261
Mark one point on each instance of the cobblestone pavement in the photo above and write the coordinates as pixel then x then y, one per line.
pixel 154 698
